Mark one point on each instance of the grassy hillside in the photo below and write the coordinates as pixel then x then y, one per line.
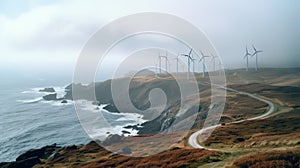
pixel 269 142
pixel 270 76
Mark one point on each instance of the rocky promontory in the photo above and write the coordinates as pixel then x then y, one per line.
pixel 139 91
pixel 50 97
pixel 50 89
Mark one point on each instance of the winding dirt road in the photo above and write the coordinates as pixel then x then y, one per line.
pixel 193 139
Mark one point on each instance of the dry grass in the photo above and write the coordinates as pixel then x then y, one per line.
pixel 240 107
pixel 91 156
pixel 289 158
pixel 287 95
pixel 279 130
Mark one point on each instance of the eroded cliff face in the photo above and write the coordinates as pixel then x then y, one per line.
pixel 160 115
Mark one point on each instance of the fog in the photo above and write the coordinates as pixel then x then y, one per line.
pixel 46 37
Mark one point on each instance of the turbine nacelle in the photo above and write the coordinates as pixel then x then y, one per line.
pixel 247 53
pixel 255 51
pixel 203 56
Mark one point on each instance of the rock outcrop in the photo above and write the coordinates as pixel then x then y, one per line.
pixel 50 97
pixel 47 90
pixel 111 139
pixel 64 101
pixel 31 157
pixel 111 108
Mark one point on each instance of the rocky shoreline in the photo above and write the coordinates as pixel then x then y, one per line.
pixel 52 152
pixel 32 157
pixel 139 92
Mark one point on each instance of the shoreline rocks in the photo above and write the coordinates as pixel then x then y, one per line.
pixel 111 108
pixel 50 97
pixel 64 101
pixel 50 89
pixel 31 157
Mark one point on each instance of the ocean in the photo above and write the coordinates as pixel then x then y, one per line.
pixel 29 122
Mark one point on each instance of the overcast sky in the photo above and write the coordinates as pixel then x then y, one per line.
pixel 40 35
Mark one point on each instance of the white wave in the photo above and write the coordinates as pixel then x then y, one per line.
pixel 31 100
pixel 58 103
pixel 102 133
pixel 60 91
pixel 88 105
pixel 99 132
pixel 34 91
pixel 137 118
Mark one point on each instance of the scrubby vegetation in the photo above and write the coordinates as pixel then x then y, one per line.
pixel 277 159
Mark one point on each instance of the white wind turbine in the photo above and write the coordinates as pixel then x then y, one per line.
pixel 202 59
pixel 213 58
pixel 256 55
pixel 160 61
pixel 189 59
pixel 193 61
pixel 156 69
pixel 177 61
pixel 247 54
pixel 220 67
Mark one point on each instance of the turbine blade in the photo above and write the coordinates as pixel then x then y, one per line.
pixel 254 48
pixel 201 53
pixel 190 51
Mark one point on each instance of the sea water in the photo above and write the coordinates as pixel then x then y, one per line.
pixel 29 122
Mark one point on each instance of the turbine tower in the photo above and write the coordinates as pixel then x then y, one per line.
pixel 256 55
pixel 160 61
pixel 167 62
pixel 189 59
pixel 220 66
pixel 177 60
pixel 202 59
pixel 213 58
pixel 193 61
pixel 247 54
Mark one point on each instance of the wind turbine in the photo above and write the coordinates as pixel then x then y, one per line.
pixel 220 65
pixel 193 61
pixel 202 59
pixel 189 59
pixel 247 54
pixel 256 53
pixel 177 60
pixel 168 64
pixel 213 58
pixel 156 70
pixel 160 60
